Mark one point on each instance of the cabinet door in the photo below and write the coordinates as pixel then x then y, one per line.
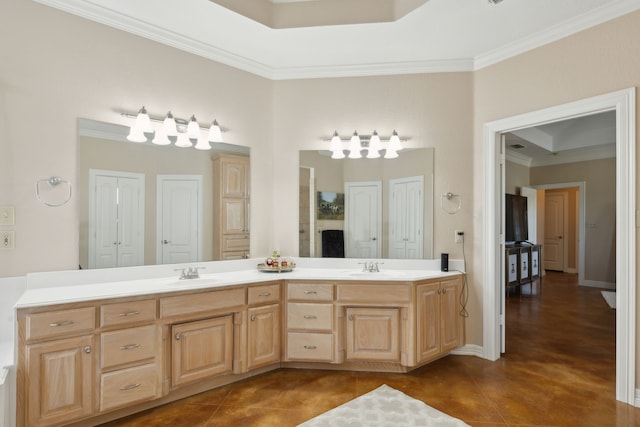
pixel 60 381
pixel 201 349
pixel 235 178
pixel 428 327
pixel 373 334
pixel 263 335
pixel 234 216
pixel 451 323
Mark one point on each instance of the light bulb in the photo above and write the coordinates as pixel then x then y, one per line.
pixel 215 133
pixel 193 128
pixel 169 125
pixel 355 146
pixel 374 146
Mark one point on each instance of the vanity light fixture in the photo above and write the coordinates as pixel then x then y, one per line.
pixel 173 130
pixel 373 143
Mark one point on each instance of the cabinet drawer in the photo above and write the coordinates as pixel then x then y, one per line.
pixel 264 294
pixel 128 386
pixel 301 346
pixel 235 243
pixel 315 317
pixel 56 323
pixel 310 291
pixel 127 346
pixel 201 302
pixel 124 313
pixel 363 293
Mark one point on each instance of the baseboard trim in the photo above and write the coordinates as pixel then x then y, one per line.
pixel 469 350
pixel 598 284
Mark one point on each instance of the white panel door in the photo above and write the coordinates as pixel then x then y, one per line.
pixel 179 218
pixel 130 230
pixel 553 252
pixel 116 219
pixel 406 213
pixel 363 214
pixel 105 223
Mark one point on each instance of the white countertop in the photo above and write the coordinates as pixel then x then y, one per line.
pixel 51 289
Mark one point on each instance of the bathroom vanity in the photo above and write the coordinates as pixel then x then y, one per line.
pixel 94 352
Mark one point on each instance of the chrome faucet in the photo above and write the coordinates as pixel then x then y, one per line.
pixel 371 267
pixel 189 273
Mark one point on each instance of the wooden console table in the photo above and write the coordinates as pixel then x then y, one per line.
pixel 523 265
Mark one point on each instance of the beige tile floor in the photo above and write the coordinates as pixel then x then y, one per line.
pixel 559 370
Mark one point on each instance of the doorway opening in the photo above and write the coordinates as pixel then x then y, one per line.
pixel 623 103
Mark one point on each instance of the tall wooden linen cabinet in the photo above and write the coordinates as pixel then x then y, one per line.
pixel 231 200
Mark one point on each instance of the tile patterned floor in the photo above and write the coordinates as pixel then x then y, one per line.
pixel 559 370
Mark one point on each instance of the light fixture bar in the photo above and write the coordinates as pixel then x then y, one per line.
pixel 179 121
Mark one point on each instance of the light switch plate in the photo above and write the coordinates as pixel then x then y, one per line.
pixel 7 215
pixel 7 239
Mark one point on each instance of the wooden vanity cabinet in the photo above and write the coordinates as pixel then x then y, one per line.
pixel 377 321
pixel 439 325
pixel 310 322
pixel 56 360
pixel 130 356
pixel 373 334
pixel 263 330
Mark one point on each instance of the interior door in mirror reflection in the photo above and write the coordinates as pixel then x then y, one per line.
pixel 363 213
pixel 116 219
pixel 179 218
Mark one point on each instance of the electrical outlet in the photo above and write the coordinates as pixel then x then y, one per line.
pixel 459 236
pixel 7 239
pixel 7 215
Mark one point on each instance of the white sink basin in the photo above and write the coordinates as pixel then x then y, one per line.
pixel 380 274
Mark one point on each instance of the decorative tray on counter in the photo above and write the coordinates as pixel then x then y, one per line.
pixel 271 269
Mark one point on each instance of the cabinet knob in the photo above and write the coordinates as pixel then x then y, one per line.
pixel 253 317
pixel 178 336
pixel 166 242
pixel 350 317
pixel 87 349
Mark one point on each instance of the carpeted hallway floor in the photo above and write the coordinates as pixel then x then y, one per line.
pixel 559 370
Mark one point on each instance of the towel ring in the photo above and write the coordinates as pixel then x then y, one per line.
pixel 449 197
pixel 53 181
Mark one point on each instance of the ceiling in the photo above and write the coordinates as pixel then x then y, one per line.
pixel 579 139
pixel 417 36
pixel 293 39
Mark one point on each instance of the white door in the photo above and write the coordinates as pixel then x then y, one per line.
pixel 553 252
pixel 406 213
pixel 179 218
pixel 363 225
pixel 116 219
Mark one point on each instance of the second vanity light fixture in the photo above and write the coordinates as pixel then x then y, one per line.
pixel 181 131
pixel 373 143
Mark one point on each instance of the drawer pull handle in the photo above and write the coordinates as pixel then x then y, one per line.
pixel 265 294
pixel 310 316
pixel 129 387
pixel 130 313
pixel 63 323
pixel 129 346
pixel 310 292
pixel 310 347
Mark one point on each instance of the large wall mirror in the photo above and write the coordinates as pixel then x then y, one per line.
pixel 367 208
pixel 143 204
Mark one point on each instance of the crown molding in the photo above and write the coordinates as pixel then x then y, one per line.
pixel 106 16
pixel 557 32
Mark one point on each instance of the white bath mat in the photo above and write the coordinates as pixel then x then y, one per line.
pixel 384 407
pixel 610 298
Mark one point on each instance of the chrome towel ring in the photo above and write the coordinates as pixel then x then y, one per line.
pixel 52 182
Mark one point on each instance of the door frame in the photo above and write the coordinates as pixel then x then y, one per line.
pixel 159 200
pixel 623 103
